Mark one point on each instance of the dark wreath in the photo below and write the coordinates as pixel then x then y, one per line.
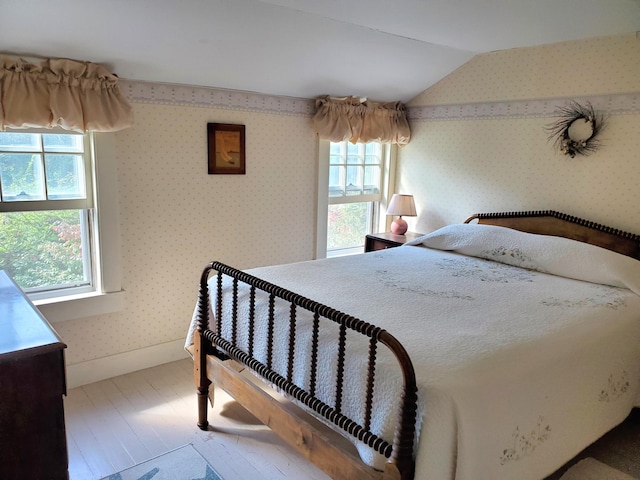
pixel 576 128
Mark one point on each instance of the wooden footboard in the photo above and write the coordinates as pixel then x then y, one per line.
pixel 304 437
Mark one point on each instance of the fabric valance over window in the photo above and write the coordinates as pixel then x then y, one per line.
pixel 349 118
pixel 76 96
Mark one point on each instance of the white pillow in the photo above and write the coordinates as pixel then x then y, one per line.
pixel 544 253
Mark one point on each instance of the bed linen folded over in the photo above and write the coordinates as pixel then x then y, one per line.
pixel 543 253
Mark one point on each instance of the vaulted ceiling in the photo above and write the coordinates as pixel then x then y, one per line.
pixel 382 49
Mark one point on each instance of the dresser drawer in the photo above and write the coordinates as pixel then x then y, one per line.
pixel 380 245
pixel 382 241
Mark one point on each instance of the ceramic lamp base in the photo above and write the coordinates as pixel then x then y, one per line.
pixel 398 226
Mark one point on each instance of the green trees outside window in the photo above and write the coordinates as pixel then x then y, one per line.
pixel 39 249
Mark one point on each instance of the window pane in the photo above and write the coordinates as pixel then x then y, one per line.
pixel 65 176
pixel 335 160
pixel 21 177
pixel 336 181
pixel 335 148
pixel 372 160
pixel 362 172
pixel 371 179
pixel 63 143
pixel 42 249
pixel 373 148
pixel 19 142
pixel 354 180
pixel 347 225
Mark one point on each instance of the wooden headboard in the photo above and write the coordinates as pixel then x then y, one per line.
pixel 549 222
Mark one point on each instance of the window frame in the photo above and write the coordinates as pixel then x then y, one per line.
pixel 54 204
pixel 85 206
pixel 107 295
pixel 380 201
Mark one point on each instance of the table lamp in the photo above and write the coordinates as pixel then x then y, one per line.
pixel 401 205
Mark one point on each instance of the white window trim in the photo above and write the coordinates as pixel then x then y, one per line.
pixel 108 296
pixel 390 153
pixel 323 198
pixel 384 222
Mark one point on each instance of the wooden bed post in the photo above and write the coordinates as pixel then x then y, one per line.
pixel 202 382
pixel 201 350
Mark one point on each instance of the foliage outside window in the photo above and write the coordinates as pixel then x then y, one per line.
pixel 347 225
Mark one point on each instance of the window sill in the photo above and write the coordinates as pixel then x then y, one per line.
pixel 72 307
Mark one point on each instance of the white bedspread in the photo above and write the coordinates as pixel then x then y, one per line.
pixel 518 370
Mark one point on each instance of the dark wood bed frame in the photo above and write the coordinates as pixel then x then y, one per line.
pixel 219 360
pixel 549 222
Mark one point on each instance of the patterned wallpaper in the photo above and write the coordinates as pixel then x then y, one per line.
pixel 175 217
pixel 479 144
pixel 597 66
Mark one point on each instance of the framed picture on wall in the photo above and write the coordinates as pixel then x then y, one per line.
pixel 226 148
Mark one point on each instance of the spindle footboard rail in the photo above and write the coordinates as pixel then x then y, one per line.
pixel 212 341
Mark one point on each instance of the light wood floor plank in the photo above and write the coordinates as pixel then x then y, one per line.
pixel 145 432
pixel 99 420
pixel 155 410
pixel 134 408
pixel 112 420
pixel 78 412
pixel 78 466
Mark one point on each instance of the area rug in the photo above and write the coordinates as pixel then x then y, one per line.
pixel 184 463
pixel 591 469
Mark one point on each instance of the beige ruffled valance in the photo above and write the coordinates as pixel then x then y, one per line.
pixel 77 96
pixel 349 118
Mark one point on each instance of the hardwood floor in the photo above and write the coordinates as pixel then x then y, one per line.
pixel 126 420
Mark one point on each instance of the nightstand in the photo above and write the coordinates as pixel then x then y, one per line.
pixel 380 241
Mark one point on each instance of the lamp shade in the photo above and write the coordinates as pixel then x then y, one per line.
pixel 402 205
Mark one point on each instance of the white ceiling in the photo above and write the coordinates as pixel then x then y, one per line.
pixel 382 49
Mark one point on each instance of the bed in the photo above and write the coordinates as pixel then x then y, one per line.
pixel 496 348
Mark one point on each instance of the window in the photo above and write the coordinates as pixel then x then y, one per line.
pixel 47 212
pixel 352 182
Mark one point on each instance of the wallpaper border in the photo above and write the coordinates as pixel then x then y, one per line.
pixel 208 97
pixel 614 104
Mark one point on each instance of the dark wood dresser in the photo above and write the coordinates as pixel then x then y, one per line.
pixel 33 443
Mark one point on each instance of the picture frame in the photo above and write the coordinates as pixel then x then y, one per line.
pixel 226 153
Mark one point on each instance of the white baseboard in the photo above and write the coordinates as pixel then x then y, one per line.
pixel 79 374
